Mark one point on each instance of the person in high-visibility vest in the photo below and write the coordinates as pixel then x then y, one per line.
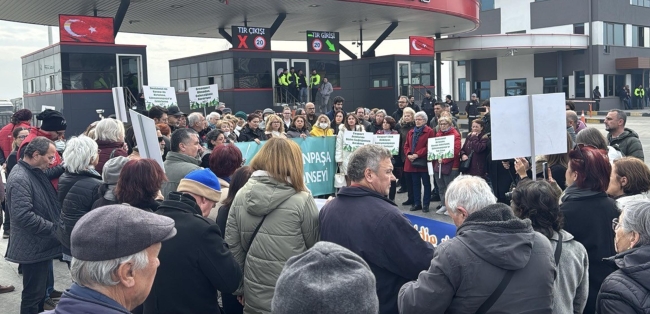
pixel 284 84
pixel 639 94
pixel 292 79
pixel 314 82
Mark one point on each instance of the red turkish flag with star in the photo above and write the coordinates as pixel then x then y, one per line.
pixel 86 29
pixel 421 46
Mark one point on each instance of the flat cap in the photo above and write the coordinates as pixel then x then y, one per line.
pixel 115 231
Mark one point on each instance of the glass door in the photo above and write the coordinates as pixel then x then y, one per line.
pixel 279 91
pixel 403 78
pixel 129 73
pixel 302 65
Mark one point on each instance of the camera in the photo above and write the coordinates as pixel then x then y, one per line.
pixel 482 109
pixel 99 111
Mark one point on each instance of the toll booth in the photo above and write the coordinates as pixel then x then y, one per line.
pixel 76 79
pixel 379 81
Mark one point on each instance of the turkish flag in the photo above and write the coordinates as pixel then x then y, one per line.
pixel 86 29
pixel 421 46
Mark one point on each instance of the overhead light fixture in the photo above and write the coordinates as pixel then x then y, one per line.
pixel 176 6
pixel 134 21
pixel 203 33
pixel 314 5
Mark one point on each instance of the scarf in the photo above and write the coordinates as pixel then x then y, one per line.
pixel 573 192
pixel 417 131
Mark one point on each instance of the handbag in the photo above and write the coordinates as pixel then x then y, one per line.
pixel 419 163
pixel 339 179
pixel 465 165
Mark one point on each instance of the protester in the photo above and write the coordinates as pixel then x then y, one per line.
pixel 34 210
pixel 110 140
pixel 286 117
pixel 298 128
pixel 53 128
pixel 197 256
pixel 378 120
pixel 224 161
pixel 182 159
pixel 445 170
pixel 491 246
pixel 388 127
pixel 77 187
pixel 538 201
pixel 327 278
pixel 415 164
pixel 215 138
pixel 110 176
pixel 557 163
pixel 116 280
pixel 174 115
pixel 158 114
pixel 196 122
pixel 338 105
pixel 276 190
pixel 19 134
pixel 226 128
pixel 402 103
pixel 364 221
pixel 265 116
pixel 621 138
pixel 476 149
pixel 406 124
pixel 212 118
pixel 592 137
pixel 336 123
pixel 630 180
pixel 627 289
pixel 588 212
pixel 20 119
pixel 322 127
pixel 251 131
pixel 342 155
pixel 274 127
pixel 139 184
pixel 311 116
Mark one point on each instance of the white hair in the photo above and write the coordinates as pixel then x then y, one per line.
pixel 469 192
pixel 636 218
pixel 382 112
pixel 193 119
pixel 422 114
pixel 213 114
pixel 109 130
pixel 102 273
pixel 79 153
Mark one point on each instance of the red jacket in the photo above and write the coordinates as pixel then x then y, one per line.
pixel 32 135
pixel 420 148
pixel 456 158
pixel 7 138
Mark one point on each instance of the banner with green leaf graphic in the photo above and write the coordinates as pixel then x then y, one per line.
pixel 204 96
pixel 440 147
pixel 159 96
pixel 388 141
pixel 354 140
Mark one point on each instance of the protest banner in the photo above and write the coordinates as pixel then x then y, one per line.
pixel 159 96
pixel 203 96
pixel 440 147
pixel 432 231
pixel 353 140
pixel 248 150
pixel 388 141
pixel 146 137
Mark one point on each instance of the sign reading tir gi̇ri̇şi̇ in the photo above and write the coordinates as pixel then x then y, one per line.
pixel 320 41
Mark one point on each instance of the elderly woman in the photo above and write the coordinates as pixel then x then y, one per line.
pixel 274 127
pixel 538 201
pixel 592 137
pixel 226 126
pixel 445 170
pixel 224 161
pixel 378 120
pixel 342 156
pixel 588 212
pixel 406 124
pixel 476 148
pixel 110 140
pixel 77 186
pixel 415 148
pixel 630 180
pixel 627 290
pixel 298 128
pixel 276 202
pixel 322 127
pixel 251 131
pixel 110 175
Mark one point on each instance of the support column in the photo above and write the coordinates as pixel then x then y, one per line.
pixel 559 72
pixel 347 52
pixel 360 40
pixel 278 21
pixel 119 16
pixel 438 72
pixel 225 35
pixel 371 51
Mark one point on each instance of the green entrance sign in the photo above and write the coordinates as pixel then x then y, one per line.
pixel 322 41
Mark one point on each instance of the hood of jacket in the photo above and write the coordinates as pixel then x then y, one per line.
pixel 626 133
pixel 635 263
pixel 497 236
pixel 265 194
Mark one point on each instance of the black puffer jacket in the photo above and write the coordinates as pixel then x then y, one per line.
pixel 77 193
pixel 248 135
pixel 34 209
pixel 627 290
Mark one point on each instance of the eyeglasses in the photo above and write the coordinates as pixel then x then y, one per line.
pixel 22 137
pixel 615 224
pixel 419 119
pixel 401 102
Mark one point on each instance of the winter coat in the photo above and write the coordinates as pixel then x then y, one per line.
pixel 404 130
pixel 177 166
pixel 106 196
pixel 197 257
pixel 627 290
pixel 77 193
pixel 80 299
pixel 248 135
pixel 479 145
pixel 472 108
pixel 466 269
pixel 588 217
pixel 54 172
pixel 367 126
pixel 7 138
pixel 571 285
pixel 397 115
pixel 225 187
pixel 455 161
pixel 295 133
pixel 427 106
pixel 317 131
pixel 420 148
pixel 372 226
pixel 627 143
pixel 108 150
pixel 343 156
pixel 34 209
pixel 290 228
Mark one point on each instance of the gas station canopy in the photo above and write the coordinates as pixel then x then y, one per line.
pixel 203 18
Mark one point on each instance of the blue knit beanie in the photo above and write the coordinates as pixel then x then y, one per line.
pixel 202 182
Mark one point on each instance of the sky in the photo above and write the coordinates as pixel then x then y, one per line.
pixel 19 39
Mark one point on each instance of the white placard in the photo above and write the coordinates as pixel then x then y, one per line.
pixel 388 141
pixel 549 112
pixel 118 104
pixel 441 147
pixel 204 96
pixel 146 137
pixel 353 140
pixel 44 107
pixel 509 118
pixel 159 96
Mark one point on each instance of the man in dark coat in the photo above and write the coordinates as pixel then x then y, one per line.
pixel 490 243
pixel 427 104
pixel 472 110
pixel 621 138
pixel 364 221
pixel 34 208
pixel 197 257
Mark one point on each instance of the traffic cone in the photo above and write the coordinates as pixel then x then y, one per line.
pixel 582 117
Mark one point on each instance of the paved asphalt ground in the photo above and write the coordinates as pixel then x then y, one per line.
pixel 10 302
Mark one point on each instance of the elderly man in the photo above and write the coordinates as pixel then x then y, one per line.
pixel 364 221
pixel 496 262
pixel 114 274
pixel 621 138
pixel 360 112
pixel 53 127
pixel 184 157
pixel 572 124
pixel 198 256
pixel 213 118
pixel 196 122
pixel 174 115
pixel 34 208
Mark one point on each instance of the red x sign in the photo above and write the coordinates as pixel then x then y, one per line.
pixel 242 41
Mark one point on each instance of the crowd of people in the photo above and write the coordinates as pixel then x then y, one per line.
pixel 203 233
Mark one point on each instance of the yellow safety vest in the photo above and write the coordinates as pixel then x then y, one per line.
pixel 315 80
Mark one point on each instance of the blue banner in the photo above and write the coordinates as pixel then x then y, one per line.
pixel 432 231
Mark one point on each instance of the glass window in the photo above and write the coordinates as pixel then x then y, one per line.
pixel 638 37
pixel 203 69
pixel 461 63
pixel 614 34
pixel 515 87
pixel 613 85
pixel 580 83
pixel 579 28
pixel 184 71
pixel 381 74
pixel 88 71
pixel 482 89
pixel 421 73
pixel 252 73
pixel 550 85
pixel 173 73
pixel 487 5
pixel 462 89
pixel 329 69
pixel 194 70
